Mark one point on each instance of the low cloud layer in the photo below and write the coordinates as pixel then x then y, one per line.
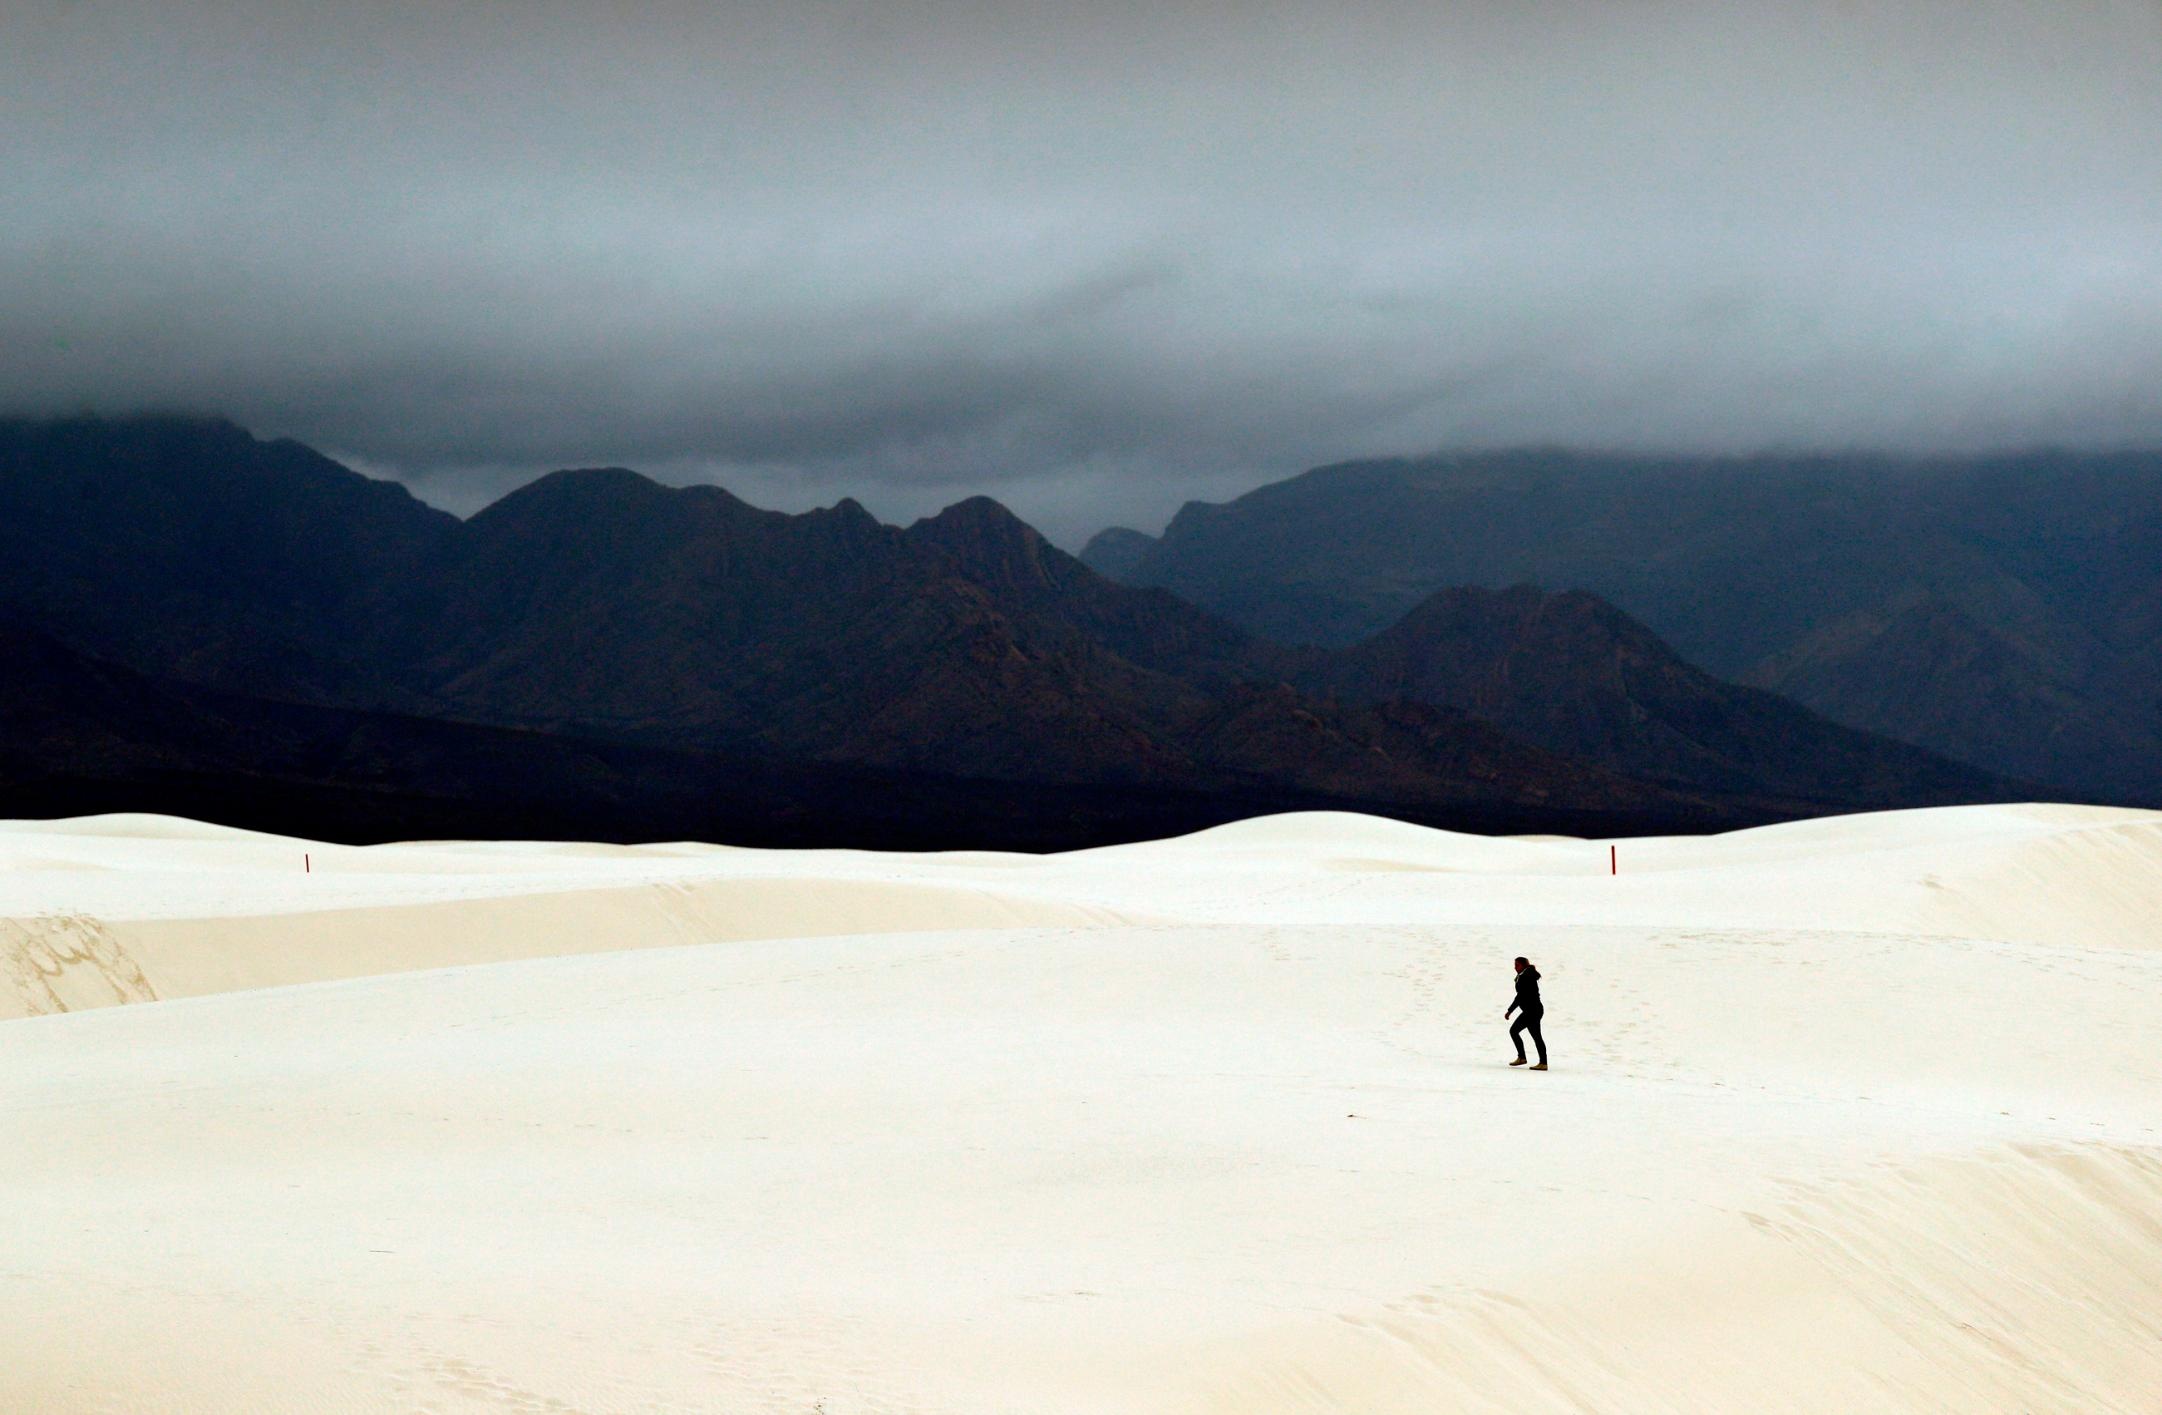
pixel 1091 259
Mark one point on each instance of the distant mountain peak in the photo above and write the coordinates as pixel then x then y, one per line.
pixel 1572 673
pixel 574 491
pixel 990 542
pixel 594 496
pixel 1525 604
pixel 978 513
pixel 1116 552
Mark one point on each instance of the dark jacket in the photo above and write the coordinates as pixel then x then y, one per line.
pixel 1527 991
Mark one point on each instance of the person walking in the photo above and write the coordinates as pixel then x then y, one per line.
pixel 1529 1010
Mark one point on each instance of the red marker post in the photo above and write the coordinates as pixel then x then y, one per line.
pixel 1613 860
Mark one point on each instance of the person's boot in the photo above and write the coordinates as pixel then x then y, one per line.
pixel 1518 1062
pixel 1540 1067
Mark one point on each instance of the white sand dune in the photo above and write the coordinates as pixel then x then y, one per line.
pixel 1856 1114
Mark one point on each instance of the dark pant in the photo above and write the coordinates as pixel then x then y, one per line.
pixel 1528 1022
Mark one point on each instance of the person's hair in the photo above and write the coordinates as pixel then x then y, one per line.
pixel 1524 962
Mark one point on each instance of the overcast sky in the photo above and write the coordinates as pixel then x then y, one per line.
pixel 1091 257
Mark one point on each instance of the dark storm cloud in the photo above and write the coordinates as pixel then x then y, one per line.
pixel 1089 258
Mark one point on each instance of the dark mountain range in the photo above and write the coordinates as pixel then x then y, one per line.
pixel 1575 675
pixel 2002 610
pixel 964 645
pixel 80 737
pixel 623 657
pixel 190 547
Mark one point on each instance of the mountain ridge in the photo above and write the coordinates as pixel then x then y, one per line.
pixel 597 604
pixel 1574 674
pixel 1747 566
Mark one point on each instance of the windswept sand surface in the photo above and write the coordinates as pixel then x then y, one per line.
pixel 1859 1114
